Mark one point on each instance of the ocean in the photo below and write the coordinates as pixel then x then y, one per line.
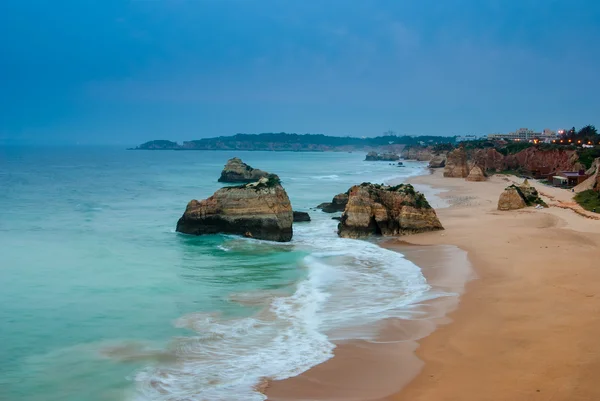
pixel 101 300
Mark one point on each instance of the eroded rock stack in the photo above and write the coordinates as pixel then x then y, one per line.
pixel 476 174
pixel 236 171
pixel 374 209
pixel 438 161
pixel 593 181
pixel 456 164
pixel 260 210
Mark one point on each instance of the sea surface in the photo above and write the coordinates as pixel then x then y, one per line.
pixel 101 300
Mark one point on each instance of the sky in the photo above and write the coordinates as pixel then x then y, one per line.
pixel 123 72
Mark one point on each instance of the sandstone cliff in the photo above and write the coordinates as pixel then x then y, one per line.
pixel 489 159
pixel 237 171
pixel 419 153
pixel 383 210
pixel 438 161
pixel 533 158
pixel 593 181
pixel 337 204
pixel 260 210
pixel 456 164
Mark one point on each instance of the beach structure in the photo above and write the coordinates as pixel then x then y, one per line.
pixel 569 178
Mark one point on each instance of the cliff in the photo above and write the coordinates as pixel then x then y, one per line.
pixel 383 210
pixel 419 153
pixel 260 210
pixel 337 204
pixel 533 158
pixel 456 164
pixel 237 171
pixel 489 159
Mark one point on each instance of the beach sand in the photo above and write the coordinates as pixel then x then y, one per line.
pixel 527 327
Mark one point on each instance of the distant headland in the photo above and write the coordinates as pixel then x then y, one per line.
pixel 296 142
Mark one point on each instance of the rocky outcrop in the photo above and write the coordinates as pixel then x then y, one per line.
pixel 476 174
pixel 438 161
pixel 301 217
pixel 518 197
pixel 510 199
pixel 419 153
pixel 489 159
pixel 386 157
pixel 593 181
pixel 374 209
pixel 260 210
pixel 337 204
pixel 456 164
pixel 237 171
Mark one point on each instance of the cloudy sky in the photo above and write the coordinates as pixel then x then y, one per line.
pixel 122 72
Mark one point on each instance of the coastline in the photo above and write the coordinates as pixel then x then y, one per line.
pixel 526 328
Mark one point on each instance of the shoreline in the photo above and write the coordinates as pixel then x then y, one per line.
pixel 526 328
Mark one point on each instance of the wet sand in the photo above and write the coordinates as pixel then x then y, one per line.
pixel 527 327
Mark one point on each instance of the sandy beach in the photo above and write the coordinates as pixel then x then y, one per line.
pixel 526 328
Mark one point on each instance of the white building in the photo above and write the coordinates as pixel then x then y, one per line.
pixel 462 138
pixel 522 134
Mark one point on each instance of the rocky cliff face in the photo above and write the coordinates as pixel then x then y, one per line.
pixel 593 181
pixel 533 158
pixel 456 164
pixel 489 159
pixel 382 210
pixel 418 153
pixel 260 210
pixel 387 157
pixel 438 161
pixel 337 204
pixel 237 171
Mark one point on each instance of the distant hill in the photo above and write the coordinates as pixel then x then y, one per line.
pixel 294 142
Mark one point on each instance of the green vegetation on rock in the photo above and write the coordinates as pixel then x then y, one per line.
pixel 589 200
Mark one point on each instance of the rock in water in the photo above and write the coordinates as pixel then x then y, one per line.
pixel 476 174
pixel 456 164
pixel 301 216
pixel 374 209
pixel 386 157
pixel 337 204
pixel 511 199
pixel 260 210
pixel 237 171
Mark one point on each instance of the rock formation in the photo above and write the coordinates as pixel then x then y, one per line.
pixel 456 164
pixel 237 171
pixel 419 153
pixel 518 197
pixel 535 159
pixel 489 159
pixel 476 174
pixel 387 157
pixel 301 217
pixel 260 210
pixel 374 209
pixel 337 204
pixel 593 181
pixel 438 161
pixel 510 199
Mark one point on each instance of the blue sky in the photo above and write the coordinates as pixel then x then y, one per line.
pixel 122 72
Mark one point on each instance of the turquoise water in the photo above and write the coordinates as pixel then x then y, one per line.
pixel 100 299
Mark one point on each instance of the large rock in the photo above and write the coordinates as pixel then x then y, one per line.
pixel 374 209
pixel 419 153
pixel 518 197
pixel 456 164
pixel 438 161
pixel 337 204
pixel 489 159
pixel 510 199
pixel 237 171
pixel 260 210
pixel 476 174
pixel 387 157
pixel 535 159
pixel 301 217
